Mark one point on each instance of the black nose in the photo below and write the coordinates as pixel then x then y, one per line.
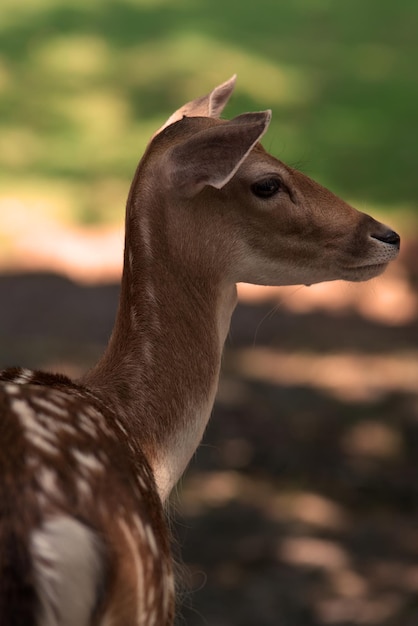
pixel 389 236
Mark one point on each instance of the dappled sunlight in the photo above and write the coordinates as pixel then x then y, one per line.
pixel 300 507
pixel 28 9
pixel 27 213
pixel 313 510
pixel 374 440
pixel 100 116
pixel 318 553
pixel 85 58
pixel 317 539
pixel 5 76
pixel 347 376
pixel 373 612
pixel 392 300
pixel 37 203
pixel 84 256
pixel 19 147
pixel 305 510
pixel 343 95
pixel 212 490
pixel 389 299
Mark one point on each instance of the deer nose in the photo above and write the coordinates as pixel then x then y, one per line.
pixel 388 236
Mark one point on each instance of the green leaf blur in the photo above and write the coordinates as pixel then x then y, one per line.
pixel 83 85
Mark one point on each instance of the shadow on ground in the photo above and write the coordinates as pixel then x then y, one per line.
pixel 301 506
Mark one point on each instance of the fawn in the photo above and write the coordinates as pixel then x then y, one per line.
pixel 86 466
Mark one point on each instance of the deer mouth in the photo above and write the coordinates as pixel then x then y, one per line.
pixel 358 273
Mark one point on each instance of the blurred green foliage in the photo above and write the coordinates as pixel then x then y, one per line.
pixel 83 85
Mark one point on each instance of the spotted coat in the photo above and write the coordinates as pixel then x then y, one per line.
pixel 65 456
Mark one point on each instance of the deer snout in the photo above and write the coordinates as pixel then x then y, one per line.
pixel 386 242
pixel 377 246
pixel 386 235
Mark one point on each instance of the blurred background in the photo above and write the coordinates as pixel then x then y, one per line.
pixel 300 507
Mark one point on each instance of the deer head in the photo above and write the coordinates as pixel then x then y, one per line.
pixel 251 216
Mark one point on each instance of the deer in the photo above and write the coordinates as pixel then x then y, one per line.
pixel 87 465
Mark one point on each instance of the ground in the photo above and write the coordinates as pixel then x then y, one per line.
pixel 301 506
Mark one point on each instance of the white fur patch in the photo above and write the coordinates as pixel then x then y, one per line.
pixel 87 461
pixel 87 424
pixel 67 568
pixel 151 540
pixel 36 433
pixel 47 480
pixel 12 389
pixel 25 376
pixel 50 406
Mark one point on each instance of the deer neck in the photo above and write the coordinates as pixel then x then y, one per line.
pixel 160 370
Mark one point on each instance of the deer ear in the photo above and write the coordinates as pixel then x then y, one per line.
pixel 212 156
pixel 210 105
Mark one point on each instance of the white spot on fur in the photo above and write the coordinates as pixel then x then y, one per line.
pixel 47 481
pixel 98 419
pixel 88 461
pixel 55 426
pixel 87 424
pixel 65 427
pixel 139 526
pixel 151 540
pixel 122 427
pixel 83 488
pixel 50 406
pixel 12 389
pixel 35 432
pixel 58 398
pixel 142 482
pixel 25 376
pixel 67 568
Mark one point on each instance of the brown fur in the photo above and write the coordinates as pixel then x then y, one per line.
pixel 120 438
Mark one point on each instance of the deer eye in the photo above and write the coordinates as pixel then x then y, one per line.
pixel 266 188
